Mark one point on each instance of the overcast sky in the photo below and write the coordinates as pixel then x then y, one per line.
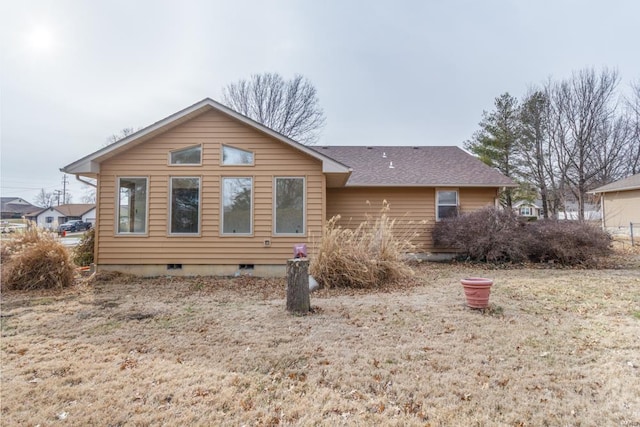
pixel 72 73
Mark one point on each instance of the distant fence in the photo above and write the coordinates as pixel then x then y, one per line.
pixel 631 225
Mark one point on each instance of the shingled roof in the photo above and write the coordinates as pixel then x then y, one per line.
pixel 629 183
pixel 414 166
pixel 69 210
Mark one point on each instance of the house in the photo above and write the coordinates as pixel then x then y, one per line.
pixel 620 204
pixel 55 215
pixel 15 207
pixel 209 191
pixel 528 209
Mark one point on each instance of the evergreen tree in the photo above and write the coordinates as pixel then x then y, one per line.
pixel 496 141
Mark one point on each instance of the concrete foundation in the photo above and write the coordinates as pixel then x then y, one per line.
pixel 189 270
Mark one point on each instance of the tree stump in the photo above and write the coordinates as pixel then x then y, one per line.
pixel 298 286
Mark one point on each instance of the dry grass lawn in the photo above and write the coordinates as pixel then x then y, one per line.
pixel 557 347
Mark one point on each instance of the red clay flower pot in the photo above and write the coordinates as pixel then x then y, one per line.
pixel 477 290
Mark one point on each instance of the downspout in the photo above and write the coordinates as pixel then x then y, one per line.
pixel 85 182
pixel 602 211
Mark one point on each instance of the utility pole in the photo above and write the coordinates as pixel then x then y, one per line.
pixel 64 189
pixel 57 194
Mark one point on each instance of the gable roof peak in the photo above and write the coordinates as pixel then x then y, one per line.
pixel 90 164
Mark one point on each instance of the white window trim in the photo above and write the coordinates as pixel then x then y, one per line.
pixel 199 233
pixel 240 165
pixel 526 211
pixel 250 233
pixel 457 205
pixel 304 208
pixel 185 164
pixel 116 224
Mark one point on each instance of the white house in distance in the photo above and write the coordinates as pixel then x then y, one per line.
pixel 620 205
pixel 53 216
pixel 528 209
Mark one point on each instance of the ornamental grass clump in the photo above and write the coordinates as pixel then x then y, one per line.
pixel 35 260
pixel 368 256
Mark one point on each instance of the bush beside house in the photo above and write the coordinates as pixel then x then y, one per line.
pixel 495 235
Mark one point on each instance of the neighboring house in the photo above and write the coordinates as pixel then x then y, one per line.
pixel 527 209
pixel 620 204
pixel 51 217
pixel 570 211
pixel 210 191
pixel 15 207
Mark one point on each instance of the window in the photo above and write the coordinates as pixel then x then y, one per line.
pixel 289 206
pixel 447 204
pixel 186 156
pixel 236 156
pixel 132 205
pixel 49 219
pixel 185 205
pixel 236 205
pixel 525 211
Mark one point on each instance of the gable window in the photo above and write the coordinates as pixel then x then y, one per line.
pixel 526 211
pixel 237 205
pixel 49 219
pixel 186 156
pixel 185 205
pixel 236 156
pixel 132 205
pixel 446 204
pixel 289 206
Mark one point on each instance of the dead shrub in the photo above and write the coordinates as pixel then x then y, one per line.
pixel 487 235
pixel 496 235
pixel 35 260
pixel 29 236
pixel 83 253
pixel 567 242
pixel 368 256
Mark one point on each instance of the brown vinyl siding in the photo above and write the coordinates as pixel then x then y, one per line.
pixel 411 205
pixel 472 199
pixel 211 129
pixel 621 208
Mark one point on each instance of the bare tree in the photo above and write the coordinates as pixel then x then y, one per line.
pixel 632 153
pixel 125 132
pixel 534 148
pixel 288 107
pixel 44 199
pixel 582 107
pixel 89 195
pixel 613 143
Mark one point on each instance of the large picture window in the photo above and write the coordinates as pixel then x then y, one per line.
pixel 185 205
pixel 447 204
pixel 237 202
pixel 132 206
pixel 289 206
pixel 186 156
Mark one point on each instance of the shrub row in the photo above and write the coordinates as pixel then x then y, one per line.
pixel 496 235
